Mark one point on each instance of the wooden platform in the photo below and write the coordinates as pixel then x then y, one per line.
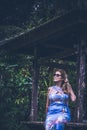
pixel 69 126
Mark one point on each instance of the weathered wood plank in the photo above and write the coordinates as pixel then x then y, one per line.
pixel 34 102
pixel 81 78
pixel 68 126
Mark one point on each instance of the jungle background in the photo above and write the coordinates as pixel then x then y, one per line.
pixel 16 71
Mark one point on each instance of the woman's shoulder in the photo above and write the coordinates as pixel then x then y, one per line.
pixel 51 87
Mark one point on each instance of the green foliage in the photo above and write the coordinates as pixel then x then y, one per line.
pixel 16 88
pixel 42 91
pixel 15 97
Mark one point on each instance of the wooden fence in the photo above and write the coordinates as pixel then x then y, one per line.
pixel 69 126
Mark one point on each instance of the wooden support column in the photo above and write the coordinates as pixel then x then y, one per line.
pixel 80 79
pixel 34 102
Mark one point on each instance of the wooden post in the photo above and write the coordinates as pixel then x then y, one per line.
pixel 80 81
pixel 34 102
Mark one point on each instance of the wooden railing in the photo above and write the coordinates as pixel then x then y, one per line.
pixel 35 125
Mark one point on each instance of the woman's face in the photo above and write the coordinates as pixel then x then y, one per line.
pixel 57 76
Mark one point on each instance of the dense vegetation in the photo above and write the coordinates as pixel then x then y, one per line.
pixel 16 87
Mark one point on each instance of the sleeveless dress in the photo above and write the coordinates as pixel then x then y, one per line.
pixel 58 111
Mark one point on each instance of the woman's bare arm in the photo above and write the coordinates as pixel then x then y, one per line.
pixel 47 104
pixel 47 100
pixel 72 94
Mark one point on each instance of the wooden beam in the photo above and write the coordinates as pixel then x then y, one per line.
pixel 59 25
pixel 63 54
pixel 68 126
pixel 57 65
pixel 34 102
pixel 56 46
pixel 81 79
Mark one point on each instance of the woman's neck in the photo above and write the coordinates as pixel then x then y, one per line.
pixel 59 84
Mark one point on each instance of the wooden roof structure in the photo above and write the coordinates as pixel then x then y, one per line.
pixel 57 36
pixel 63 37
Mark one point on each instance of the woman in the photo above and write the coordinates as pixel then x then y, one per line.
pixel 57 110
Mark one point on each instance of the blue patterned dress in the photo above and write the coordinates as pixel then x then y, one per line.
pixel 58 111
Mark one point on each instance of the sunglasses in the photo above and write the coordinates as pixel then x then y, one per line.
pixel 57 75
